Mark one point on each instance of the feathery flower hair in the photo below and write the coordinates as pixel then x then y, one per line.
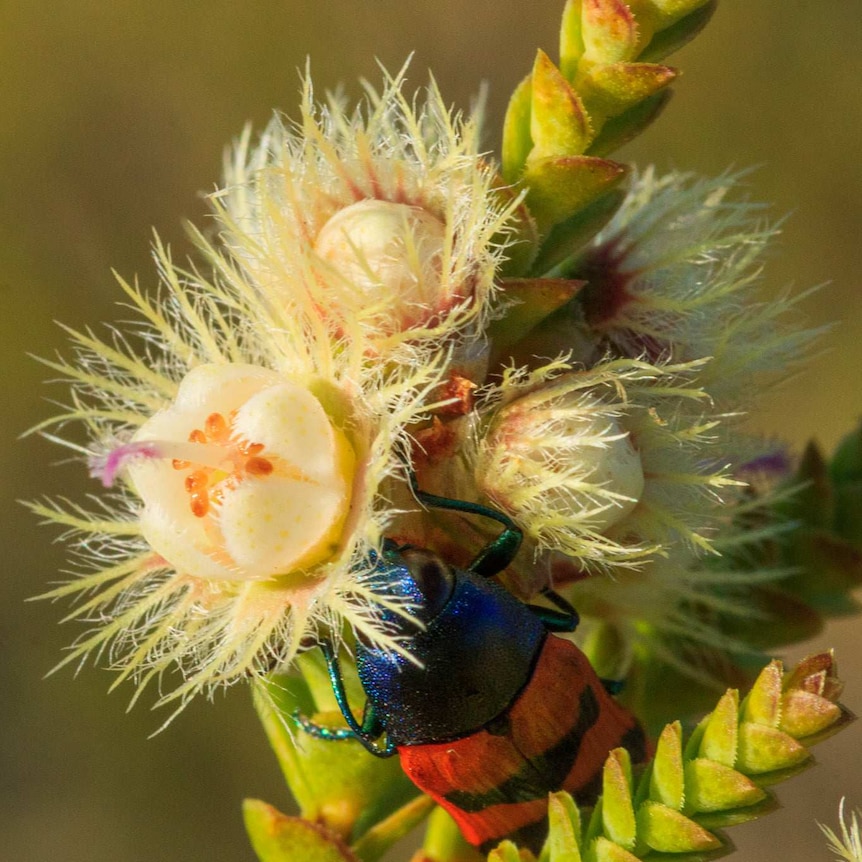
pixel 605 464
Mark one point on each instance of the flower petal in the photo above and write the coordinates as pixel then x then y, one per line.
pixel 276 525
pixel 290 423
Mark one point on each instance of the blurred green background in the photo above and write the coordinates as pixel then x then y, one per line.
pixel 114 117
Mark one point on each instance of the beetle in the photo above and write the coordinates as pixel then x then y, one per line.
pixel 495 711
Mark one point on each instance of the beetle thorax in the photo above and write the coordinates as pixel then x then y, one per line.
pixel 470 662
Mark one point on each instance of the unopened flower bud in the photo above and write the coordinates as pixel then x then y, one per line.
pixel 581 463
pixel 388 255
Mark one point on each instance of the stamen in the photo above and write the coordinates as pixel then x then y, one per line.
pixel 258 466
pixel 197 480
pixel 196 453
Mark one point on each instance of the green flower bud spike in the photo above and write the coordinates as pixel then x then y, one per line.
pixel 822 499
pixel 716 779
pixel 563 121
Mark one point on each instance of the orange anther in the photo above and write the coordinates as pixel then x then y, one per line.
pixel 258 466
pixel 196 480
pixel 216 426
pixel 197 436
pixel 177 464
pixel 249 449
pixel 200 503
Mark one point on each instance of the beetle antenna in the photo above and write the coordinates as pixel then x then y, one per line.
pixel 497 554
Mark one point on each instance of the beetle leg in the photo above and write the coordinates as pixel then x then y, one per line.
pixel 367 732
pixel 564 619
pixel 319 731
pixel 497 554
pixel 613 686
pixel 372 729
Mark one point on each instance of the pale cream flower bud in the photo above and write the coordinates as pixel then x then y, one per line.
pixel 603 465
pixel 610 464
pixel 555 457
pixel 388 254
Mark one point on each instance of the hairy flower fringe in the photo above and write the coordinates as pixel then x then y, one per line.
pixel 281 195
pixel 675 609
pixel 849 845
pixel 545 436
pixel 149 618
pixel 676 273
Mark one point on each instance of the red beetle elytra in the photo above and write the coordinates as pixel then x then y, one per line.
pixel 499 711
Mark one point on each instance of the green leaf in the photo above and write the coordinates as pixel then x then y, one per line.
pixel 672 10
pixel 619 130
pixel 762 705
pixel 720 732
pixel 506 851
pixel 616 88
pixel 609 31
pixel 669 831
pixel 571 39
pixel 667 780
pixel 671 38
pixel 336 782
pixel 830 568
pixel 606 851
pixel 559 124
pixel 275 699
pixel 561 186
pixel 846 463
pixel 517 142
pixel 712 786
pixel 617 811
pixel 776 617
pixel 765 749
pixel 564 830
pixel 444 841
pixel 813 503
pixel 522 235
pixel 533 299
pixel 846 473
pixel 848 512
pixel 805 713
pixel 568 237
pixel 383 835
pixel 276 837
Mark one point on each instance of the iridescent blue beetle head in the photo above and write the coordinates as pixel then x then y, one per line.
pixel 419 578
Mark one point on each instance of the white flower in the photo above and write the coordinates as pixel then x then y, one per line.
pixel 243 477
pixel 386 217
